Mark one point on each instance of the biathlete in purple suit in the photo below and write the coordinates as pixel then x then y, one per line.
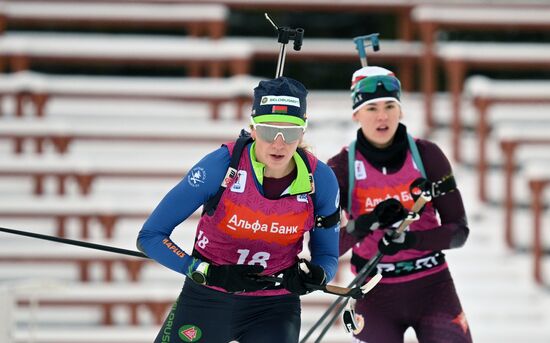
pixel 262 194
pixel 374 174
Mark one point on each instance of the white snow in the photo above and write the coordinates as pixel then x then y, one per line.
pixel 494 52
pixel 502 89
pixel 134 46
pixel 505 16
pixel 114 11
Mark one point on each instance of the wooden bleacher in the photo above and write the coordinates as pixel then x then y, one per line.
pixel 114 334
pixel 37 89
pixel 124 312
pixel 401 53
pixel 83 259
pixel 156 299
pixel 523 139
pixel 130 296
pixel 460 57
pixel 197 19
pixel 84 171
pixel 512 138
pixel 102 211
pixel 399 9
pixel 538 179
pixel 434 18
pixel 484 93
pixel 199 57
pixel 117 279
pixel 123 334
pixel 58 136
pixel 137 302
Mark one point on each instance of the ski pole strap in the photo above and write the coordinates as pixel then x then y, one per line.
pixel 348 317
pixel 320 221
pixel 327 221
pixel 303 155
pixel 401 268
pixel 416 155
pixel 445 185
pixel 351 172
pixel 438 188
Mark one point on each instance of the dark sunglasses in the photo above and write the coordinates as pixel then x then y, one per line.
pixel 369 84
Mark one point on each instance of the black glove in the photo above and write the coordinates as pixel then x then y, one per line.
pixel 236 277
pixel 389 246
pixel 385 214
pixel 302 272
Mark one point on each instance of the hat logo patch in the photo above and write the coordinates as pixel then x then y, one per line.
pixel 279 109
pixel 280 100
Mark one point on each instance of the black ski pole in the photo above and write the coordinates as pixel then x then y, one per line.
pixel 75 242
pixel 348 292
pixel 363 273
pixel 329 310
pixel 365 270
pixel 330 289
pixel 424 198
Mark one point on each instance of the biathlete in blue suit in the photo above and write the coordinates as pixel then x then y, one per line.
pixel 261 196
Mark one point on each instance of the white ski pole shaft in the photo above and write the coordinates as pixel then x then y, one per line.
pixel 281 61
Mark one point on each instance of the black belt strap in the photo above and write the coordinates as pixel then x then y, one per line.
pixel 198 255
pixel 402 268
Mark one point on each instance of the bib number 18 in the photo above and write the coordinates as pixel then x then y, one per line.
pixel 260 257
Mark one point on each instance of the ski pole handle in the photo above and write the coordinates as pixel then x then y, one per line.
pixel 413 215
pixel 330 289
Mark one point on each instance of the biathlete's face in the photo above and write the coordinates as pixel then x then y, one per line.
pixel 276 143
pixel 379 121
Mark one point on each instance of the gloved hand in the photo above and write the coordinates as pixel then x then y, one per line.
pixel 389 246
pixel 302 272
pixel 236 277
pixel 385 214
